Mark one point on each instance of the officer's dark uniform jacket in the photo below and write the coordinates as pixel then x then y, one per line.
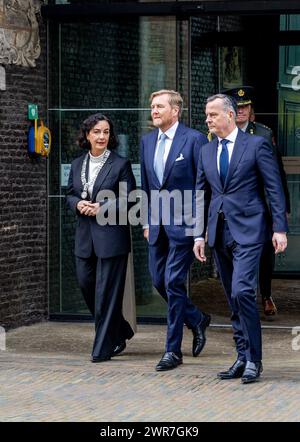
pixel 255 128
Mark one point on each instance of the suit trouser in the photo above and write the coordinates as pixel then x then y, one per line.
pixel 169 264
pixel 238 268
pixel 266 267
pixel 102 281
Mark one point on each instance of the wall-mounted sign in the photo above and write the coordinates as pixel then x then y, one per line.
pixel 64 174
pixel 32 112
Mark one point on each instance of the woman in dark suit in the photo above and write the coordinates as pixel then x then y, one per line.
pixel 101 247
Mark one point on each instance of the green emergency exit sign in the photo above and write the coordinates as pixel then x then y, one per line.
pixel 32 112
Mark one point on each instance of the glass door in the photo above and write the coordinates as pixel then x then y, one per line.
pixel 112 67
pixel 289 139
pixel 224 57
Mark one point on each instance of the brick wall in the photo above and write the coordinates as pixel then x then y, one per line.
pixel 23 202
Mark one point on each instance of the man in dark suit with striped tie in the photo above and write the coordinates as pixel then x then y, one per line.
pixel 169 157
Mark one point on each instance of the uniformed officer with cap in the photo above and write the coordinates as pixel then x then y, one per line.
pixel 243 98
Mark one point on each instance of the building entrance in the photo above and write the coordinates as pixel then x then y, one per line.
pixel 235 57
pixel 112 65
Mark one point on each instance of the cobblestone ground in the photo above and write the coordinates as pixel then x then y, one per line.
pixel 46 375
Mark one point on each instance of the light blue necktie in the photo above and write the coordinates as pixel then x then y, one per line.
pixel 159 166
pixel 224 161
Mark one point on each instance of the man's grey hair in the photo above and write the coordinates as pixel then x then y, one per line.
pixel 228 104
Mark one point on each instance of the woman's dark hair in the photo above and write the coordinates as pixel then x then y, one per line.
pixel 89 123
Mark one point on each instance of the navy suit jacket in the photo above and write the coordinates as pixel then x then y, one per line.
pixel 252 168
pixel 179 175
pixel 107 240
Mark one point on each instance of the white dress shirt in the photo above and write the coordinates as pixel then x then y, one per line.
pixel 170 133
pixel 231 138
pixel 244 127
pixel 93 165
pixel 230 145
pixel 168 143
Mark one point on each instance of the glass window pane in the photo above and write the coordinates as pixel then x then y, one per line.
pixel 89 73
pixel 274 72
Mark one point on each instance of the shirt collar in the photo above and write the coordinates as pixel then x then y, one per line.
pixel 170 132
pixel 98 158
pixel 244 127
pixel 232 136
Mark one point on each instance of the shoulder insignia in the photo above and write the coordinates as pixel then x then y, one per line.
pixel 263 126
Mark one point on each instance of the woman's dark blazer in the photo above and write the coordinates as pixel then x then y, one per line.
pixel 105 240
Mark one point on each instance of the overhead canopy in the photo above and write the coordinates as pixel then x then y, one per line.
pixel 95 11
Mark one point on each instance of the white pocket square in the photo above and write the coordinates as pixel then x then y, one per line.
pixel 180 158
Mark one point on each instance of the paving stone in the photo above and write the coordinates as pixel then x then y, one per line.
pixel 47 376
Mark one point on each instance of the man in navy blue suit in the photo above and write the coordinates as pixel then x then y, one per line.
pixel 233 170
pixel 169 157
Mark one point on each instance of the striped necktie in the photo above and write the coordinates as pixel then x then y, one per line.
pixel 159 166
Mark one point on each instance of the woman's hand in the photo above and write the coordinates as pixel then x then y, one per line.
pixel 87 208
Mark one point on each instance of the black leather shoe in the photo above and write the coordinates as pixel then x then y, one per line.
pixel 252 372
pixel 93 359
pixel 122 345
pixel 169 361
pixel 119 348
pixel 199 335
pixel 130 334
pixel 235 371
